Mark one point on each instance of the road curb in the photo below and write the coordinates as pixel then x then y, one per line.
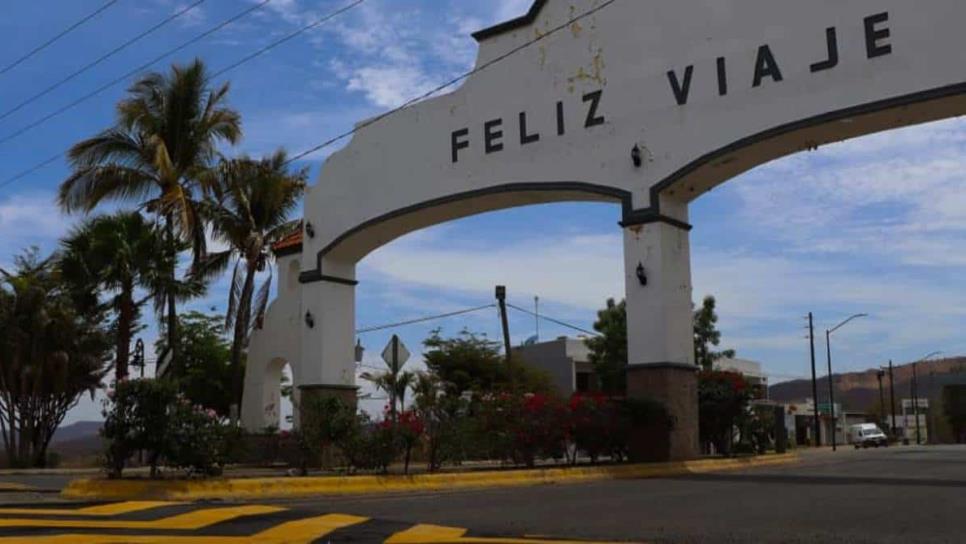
pixel 280 488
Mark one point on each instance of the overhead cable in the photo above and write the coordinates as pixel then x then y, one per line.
pixel 100 59
pixel 365 124
pixel 58 36
pixel 423 319
pixel 552 320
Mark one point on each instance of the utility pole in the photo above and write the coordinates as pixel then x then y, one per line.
pixel 536 315
pixel 501 300
pixel 882 413
pixel 892 399
pixel 831 390
pixel 811 341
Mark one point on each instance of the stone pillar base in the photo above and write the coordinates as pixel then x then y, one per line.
pixel 675 386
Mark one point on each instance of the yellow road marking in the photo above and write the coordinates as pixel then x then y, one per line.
pixel 436 534
pixel 307 530
pixel 114 509
pixel 302 531
pixel 192 520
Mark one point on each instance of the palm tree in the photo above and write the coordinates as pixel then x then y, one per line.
pixel 250 211
pixel 118 254
pixel 166 136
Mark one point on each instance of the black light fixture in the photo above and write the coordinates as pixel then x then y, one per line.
pixel 641 274
pixel 359 351
pixel 636 156
pixel 309 229
pixel 310 320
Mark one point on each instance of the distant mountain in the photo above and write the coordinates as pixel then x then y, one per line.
pixel 74 431
pixel 857 391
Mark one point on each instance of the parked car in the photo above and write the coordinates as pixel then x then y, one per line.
pixel 867 435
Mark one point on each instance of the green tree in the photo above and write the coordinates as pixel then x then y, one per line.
pixel 207 377
pixel 51 352
pixel 472 363
pixel 116 254
pixel 723 399
pixel 707 336
pixel 250 210
pixel 608 351
pixel 166 137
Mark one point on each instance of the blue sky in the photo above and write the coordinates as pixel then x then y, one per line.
pixel 873 225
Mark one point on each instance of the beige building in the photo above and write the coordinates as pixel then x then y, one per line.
pixel 566 360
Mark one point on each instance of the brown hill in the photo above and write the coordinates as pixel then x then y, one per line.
pixel 858 391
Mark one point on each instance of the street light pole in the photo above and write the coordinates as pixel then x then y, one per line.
pixel 831 394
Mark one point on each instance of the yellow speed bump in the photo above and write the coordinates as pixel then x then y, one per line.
pixel 198 519
pixel 435 534
pixel 303 531
pixel 102 510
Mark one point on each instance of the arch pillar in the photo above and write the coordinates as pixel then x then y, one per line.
pixel 328 335
pixel 660 336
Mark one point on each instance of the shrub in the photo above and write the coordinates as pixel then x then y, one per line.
pixel 370 446
pixel 594 426
pixel 523 428
pixel 409 428
pixel 152 416
pixel 198 441
pixel 324 422
pixel 137 417
pixel 722 399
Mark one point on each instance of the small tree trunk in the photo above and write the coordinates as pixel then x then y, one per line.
pixel 241 333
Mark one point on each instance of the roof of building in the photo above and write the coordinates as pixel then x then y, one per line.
pixel 289 245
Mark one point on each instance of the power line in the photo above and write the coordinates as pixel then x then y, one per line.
pixel 449 83
pixel 100 59
pixel 130 73
pixel 276 43
pixel 232 66
pixel 423 319
pixel 60 35
pixel 552 320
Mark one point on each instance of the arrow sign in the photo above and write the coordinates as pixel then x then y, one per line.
pixel 395 353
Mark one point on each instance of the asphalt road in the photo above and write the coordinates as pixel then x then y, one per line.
pixel 888 495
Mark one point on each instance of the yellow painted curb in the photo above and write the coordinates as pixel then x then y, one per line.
pixel 280 488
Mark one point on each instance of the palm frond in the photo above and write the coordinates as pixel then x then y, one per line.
pixel 261 302
pixel 234 296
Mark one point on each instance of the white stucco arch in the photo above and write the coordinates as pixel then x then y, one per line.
pixel 701 90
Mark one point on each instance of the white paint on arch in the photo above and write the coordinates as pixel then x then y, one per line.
pixel 706 89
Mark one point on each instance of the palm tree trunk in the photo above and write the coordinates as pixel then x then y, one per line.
pixel 242 318
pixel 173 338
pixel 124 322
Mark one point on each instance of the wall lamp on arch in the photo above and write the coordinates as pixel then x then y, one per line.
pixel 636 156
pixel 641 274
pixel 309 230
pixel 310 320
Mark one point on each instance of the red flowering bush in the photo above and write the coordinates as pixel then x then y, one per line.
pixel 594 425
pixel 723 398
pixel 523 428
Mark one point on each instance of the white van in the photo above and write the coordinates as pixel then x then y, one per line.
pixel 865 435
